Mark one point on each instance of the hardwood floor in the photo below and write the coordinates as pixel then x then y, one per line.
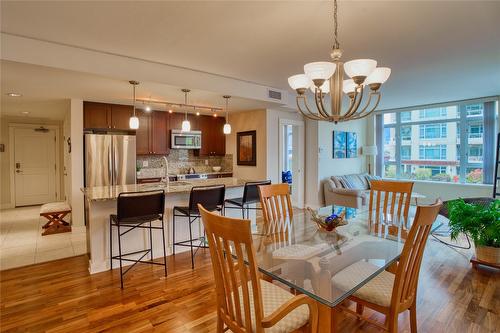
pixel 61 296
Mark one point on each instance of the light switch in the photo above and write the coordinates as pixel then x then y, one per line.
pixel 145 164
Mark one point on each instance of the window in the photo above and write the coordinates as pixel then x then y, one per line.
pixel 405 116
pixel 475 153
pixel 433 131
pixel 405 132
pixel 435 152
pixel 476 130
pixel 445 144
pixel 474 110
pixel 433 113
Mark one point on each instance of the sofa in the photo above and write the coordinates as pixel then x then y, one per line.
pixel 348 190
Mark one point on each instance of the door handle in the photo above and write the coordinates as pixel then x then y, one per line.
pixel 18 171
pixel 18 165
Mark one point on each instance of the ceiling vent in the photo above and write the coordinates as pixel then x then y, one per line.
pixel 275 95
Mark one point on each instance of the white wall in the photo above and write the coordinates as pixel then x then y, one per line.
pixel 273 141
pixel 249 121
pixel 75 173
pixel 320 164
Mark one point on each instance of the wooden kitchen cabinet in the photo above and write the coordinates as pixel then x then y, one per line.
pixel 142 145
pixel 213 140
pixel 96 115
pixel 153 134
pixel 160 134
pixel 120 116
pixel 106 116
pixel 176 120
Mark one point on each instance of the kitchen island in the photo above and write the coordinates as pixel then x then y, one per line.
pixel 100 202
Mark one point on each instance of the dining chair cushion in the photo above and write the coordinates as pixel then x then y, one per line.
pixel 272 298
pixel 378 290
pixel 298 251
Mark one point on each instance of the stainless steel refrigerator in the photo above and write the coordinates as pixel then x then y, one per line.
pixel 109 160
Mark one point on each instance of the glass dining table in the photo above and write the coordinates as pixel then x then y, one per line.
pixel 307 258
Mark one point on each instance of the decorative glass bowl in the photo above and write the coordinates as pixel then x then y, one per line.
pixel 327 222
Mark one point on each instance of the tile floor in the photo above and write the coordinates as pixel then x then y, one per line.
pixel 22 243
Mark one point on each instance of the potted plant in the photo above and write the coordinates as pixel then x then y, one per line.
pixel 479 222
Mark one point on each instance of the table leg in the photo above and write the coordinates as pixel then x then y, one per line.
pixel 328 318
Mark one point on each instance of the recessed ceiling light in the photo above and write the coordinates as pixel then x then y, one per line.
pixel 25 112
pixel 13 94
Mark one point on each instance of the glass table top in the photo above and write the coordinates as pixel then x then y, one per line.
pixel 311 260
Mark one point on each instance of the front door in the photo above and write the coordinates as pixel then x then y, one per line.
pixel 35 166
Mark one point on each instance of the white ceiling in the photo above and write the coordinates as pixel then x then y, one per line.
pixel 438 50
pixel 44 90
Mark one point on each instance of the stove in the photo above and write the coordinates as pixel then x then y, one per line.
pixel 192 176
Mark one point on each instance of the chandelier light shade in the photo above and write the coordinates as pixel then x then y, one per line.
pixel 299 81
pixel 227 127
pixel 133 122
pixel 328 79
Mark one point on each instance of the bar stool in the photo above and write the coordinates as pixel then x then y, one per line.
pixel 210 197
pixel 137 210
pixel 250 196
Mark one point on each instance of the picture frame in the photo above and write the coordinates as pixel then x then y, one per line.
pixel 246 148
pixel 339 144
pixel 351 145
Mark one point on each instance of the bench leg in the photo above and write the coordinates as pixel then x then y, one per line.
pixel 56 223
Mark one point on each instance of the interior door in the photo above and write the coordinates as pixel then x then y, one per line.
pixel 35 166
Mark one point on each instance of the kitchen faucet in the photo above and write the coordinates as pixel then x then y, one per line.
pixel 166 178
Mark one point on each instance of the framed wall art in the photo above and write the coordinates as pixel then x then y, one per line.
pixel 246 148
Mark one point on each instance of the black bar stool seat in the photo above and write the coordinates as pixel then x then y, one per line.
pixel 210 197
pixel 137 210
pixel 250 196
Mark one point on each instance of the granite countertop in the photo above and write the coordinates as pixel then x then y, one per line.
pixel 103 193
pixel 159 174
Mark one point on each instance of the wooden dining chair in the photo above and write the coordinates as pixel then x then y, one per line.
pixel 246 303
pixel 276 206
pixel 390 200
pixel 392 293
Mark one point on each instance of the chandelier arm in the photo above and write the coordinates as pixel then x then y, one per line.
pixel 319 104
pixel 353 102
pixel 311 116
pixel 355 108
pixel 366 114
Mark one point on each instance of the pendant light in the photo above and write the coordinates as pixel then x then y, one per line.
pixel 186 125
pixel 227 127
pixel 133 122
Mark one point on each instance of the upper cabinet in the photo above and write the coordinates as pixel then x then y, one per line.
pixel 213 140
pixel 96 115
pixel 106 116
pixel 153 133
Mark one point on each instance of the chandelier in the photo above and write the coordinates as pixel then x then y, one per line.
pixel 325 78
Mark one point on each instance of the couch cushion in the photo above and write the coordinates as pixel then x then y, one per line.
pixel 336 181
pixel 369 178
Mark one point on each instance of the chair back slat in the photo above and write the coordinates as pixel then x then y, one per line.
pixel 251 191
pixel 406 280
pixel 276 207
pixel 230 243
pixel 392 197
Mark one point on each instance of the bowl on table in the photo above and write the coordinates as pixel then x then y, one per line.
pixel 216 168
pixel 327 222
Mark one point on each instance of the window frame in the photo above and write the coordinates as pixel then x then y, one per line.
pixel 462 133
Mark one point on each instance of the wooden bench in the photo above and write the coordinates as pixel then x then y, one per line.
pixel 55 212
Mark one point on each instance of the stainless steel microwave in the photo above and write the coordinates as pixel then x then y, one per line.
pixel 185 140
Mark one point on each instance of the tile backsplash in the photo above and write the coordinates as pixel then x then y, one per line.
pixel 179 162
